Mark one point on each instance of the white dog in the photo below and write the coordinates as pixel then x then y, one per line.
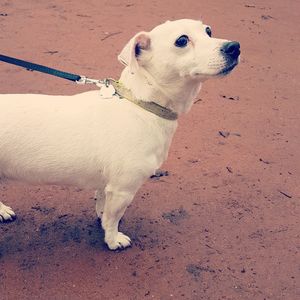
pixel 113 144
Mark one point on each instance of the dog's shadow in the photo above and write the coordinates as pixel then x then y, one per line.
pixel 44 231
pixel 33 233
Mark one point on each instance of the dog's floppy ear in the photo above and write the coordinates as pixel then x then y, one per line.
pixel 131 52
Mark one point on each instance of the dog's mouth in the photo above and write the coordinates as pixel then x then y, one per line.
pixel 216 69
pixel 228 68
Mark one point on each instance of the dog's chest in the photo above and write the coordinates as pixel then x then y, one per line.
pixel 161 139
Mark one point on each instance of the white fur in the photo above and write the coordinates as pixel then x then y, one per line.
pixel 109 145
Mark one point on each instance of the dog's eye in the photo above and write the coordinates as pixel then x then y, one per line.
pixel 208 31
pixel 182 41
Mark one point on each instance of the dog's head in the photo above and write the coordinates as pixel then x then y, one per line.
pixel 180 49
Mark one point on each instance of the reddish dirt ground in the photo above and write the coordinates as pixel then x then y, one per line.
pixel 225 223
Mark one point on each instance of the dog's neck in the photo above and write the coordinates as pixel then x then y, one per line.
pixel 178 96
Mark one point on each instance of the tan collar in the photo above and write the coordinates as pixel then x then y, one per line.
pixel 152 107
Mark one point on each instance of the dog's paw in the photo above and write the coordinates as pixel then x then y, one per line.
pixel 6 213
pixel 121 241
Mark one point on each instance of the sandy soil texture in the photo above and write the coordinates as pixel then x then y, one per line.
pixel 224 223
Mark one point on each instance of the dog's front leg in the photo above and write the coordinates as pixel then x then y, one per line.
pixel 116 203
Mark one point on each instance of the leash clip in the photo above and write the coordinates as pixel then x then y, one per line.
pixel 107 90
pixel 85 80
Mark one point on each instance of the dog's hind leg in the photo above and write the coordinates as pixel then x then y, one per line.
pixel 100 200
pixel 116 203
pixel 6 213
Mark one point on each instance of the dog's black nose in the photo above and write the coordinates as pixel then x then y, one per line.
pixel 232 49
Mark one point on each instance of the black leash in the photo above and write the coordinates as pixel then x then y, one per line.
pixel 35 67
